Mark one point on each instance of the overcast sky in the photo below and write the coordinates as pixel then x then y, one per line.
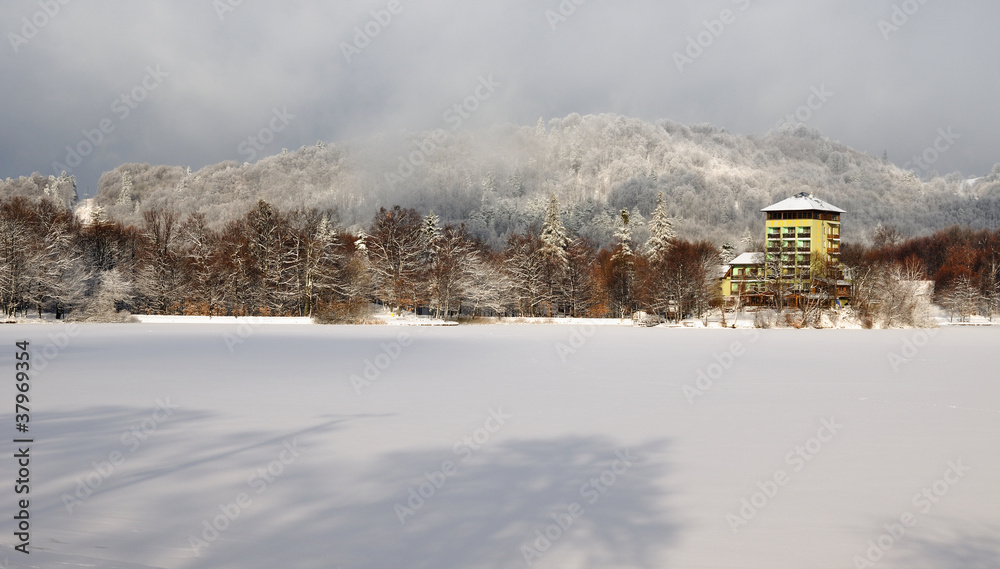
pixel 189 82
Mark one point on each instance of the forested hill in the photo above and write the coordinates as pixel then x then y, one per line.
pixel 498 180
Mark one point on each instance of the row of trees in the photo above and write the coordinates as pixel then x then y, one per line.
pixel 298 262
pixel 272 262
pixel 890 277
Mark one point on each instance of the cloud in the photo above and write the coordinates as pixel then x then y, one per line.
pixel 757 63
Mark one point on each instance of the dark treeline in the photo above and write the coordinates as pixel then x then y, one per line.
pixel 963 264
pixel 270 262
pixel 297 263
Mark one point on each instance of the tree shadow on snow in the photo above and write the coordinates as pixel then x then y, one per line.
pixel 325 510
pixel 960 551
pixel 483 515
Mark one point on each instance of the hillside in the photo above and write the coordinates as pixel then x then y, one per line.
pixel 498 180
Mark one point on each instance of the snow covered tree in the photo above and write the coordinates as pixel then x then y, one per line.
pixel 619 271
pixel 14 264
pixel 554 239
pixel 962 298
pixel 748 242
pixel 159 276
pixel 62 190
pixel 554 254
pixel 394 249
pixel 623 234
pixel 113 295
pixel 125 197
pixel 580 290
pixel 453 273
pixel 727 253
pixel 526 266
pixel 661 231
pixel 203 291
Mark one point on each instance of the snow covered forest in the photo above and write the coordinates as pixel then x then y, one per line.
pixel 498 181
pixel 582 216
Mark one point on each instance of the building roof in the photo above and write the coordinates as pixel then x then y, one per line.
pixel 748 259
pixel 803 202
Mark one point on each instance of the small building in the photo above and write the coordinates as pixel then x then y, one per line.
pixel 744 281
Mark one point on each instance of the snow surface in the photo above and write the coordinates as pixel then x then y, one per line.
pixel 577 398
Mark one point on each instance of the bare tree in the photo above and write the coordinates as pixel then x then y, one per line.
pixel 962 298
pixel 394 246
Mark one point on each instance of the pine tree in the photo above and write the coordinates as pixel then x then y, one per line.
pixel 553 233
pixel 125 197
pixel 622 282
pixel 727 253
pixel 661 231
pixel 623 233
pixel 555 258
pixel 747 241
pixel 432 228
pixel 361 243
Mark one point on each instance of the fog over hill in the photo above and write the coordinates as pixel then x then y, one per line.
pixel 497 180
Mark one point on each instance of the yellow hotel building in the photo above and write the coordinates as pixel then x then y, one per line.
pixel 802 257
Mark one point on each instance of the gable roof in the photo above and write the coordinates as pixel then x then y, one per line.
pixel 748 259
pixel 803 202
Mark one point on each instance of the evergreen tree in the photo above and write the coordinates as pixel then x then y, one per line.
pixel 621 281
pixel 432 228
pixel 555 258
pixel 125 197
pixel 553 233
pixel 747 241
pixel 727 253
pixel 661 231
pixel 623 233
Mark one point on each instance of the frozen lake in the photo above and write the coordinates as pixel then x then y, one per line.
pixel 187 446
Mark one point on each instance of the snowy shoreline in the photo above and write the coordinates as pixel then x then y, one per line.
pixel 410 320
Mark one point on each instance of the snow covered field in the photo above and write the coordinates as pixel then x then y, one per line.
pixel 191 446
